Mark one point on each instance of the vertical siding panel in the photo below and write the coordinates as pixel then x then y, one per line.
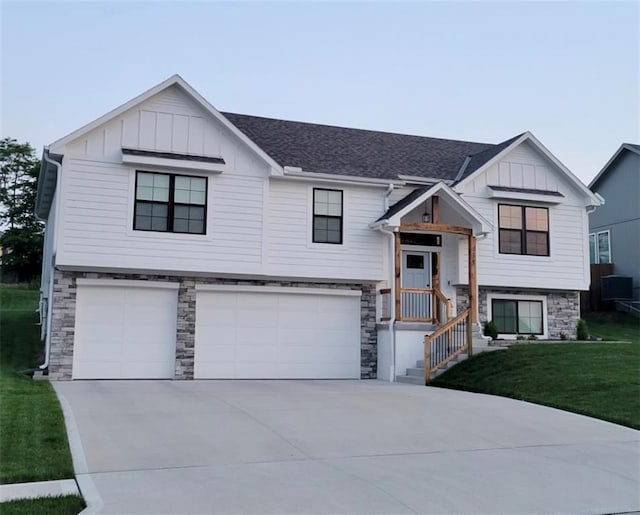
pixel 196 135
pixel 130 129
pixel 164 132
pixel 148 129
pixel 180 133
pixel 515 177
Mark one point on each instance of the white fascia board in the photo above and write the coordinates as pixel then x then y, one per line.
pixel 172 164
pixel 479 223
pixel 334 292
pixel 129 283
pixel 425 181
pixel 58 145
pixel 337 179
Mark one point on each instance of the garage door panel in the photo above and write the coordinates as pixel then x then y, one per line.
pixel 101 368
pixel 277 335
pixel 124 332
pixel 215 353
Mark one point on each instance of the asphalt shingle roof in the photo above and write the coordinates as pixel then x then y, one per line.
pixel 362 153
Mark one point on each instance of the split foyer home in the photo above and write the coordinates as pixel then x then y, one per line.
pixel 183 242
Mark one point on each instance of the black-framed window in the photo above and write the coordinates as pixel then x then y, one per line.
pixel 170 203
pixel 517 316
pixel 327 216
pixel 523 230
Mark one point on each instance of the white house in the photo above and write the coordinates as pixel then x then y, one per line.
pixel 182 242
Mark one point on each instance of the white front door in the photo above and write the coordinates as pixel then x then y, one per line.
pixel 416 273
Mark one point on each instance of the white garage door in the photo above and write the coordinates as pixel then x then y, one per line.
pixel 125 329
pixel 277 333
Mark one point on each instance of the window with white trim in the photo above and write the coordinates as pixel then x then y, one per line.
pixel 170 203
pixel 600 247
pixel 327 216
pixel 513 316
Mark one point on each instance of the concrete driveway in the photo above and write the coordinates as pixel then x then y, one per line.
pixel 339 447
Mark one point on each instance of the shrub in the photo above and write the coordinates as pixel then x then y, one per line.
pixel 491 329
pixel 532 337
pixel 582 330
pixel 521 337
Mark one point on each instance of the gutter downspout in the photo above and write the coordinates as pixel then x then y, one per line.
pixel 392 320
pixel 47 344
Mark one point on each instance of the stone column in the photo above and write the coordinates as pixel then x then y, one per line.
pixel 185 329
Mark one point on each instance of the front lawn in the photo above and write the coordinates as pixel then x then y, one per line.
pixel 601 380
pixel 613 325
pixel 33 438
pixel 61 505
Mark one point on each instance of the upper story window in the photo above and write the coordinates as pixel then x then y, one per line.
pixel 327 216
pixel 170 203
pixel 523 230
pixel 600 247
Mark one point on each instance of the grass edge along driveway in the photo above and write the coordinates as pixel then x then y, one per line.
pixel 33 437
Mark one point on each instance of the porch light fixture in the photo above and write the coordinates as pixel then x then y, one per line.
pixel 426 217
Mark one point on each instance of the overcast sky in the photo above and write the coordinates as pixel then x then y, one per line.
pixel 479 71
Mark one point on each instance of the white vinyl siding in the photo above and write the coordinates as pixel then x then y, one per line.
pixel 566 267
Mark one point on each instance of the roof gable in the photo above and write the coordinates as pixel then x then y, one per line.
pixel 625 147
pixel 173 81
pixel 507 146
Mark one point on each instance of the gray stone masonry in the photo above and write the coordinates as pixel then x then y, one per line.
pixel 64 313
pixel 563 307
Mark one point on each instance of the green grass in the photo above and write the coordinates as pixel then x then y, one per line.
pixel 33 439
pixel 15 298
pixel 601 380
pixel 61 505
pixel 613 325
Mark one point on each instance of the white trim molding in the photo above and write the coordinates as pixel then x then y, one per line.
pixel 334 292
pixel 128 283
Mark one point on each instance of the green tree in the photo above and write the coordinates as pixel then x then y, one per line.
pixel 22 232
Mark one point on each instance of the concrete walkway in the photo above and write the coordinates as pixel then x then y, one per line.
pixel 339 447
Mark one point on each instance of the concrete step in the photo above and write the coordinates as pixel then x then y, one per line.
pixel 415 372
pixel 410 380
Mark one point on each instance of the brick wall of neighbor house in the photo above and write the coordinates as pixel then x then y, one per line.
pixel 563 307
pixel 64 311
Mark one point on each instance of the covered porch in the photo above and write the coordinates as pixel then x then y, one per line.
pixel 432 250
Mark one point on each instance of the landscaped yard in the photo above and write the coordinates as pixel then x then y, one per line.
pixel 601 380
pixel 62 505
pixel 33 440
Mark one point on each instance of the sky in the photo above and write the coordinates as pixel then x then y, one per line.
pixel 478 71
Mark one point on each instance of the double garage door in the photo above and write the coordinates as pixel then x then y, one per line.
pixel 127 329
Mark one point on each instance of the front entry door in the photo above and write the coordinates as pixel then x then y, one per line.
pixel 416 273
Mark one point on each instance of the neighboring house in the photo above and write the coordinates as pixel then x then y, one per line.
pixel 184 242
pixel 614 229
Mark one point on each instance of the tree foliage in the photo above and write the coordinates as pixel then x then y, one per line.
pixel 22 232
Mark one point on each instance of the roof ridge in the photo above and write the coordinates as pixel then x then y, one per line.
pixel 225 113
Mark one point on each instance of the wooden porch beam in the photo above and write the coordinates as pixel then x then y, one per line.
pixel 454 229
pixel 473 281
pixel 435 209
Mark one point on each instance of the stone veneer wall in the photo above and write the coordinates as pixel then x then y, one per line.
pixel 64 316
pixel 563 307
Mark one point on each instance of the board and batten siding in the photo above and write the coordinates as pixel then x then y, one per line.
pixel 567 265
pixel 290 250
